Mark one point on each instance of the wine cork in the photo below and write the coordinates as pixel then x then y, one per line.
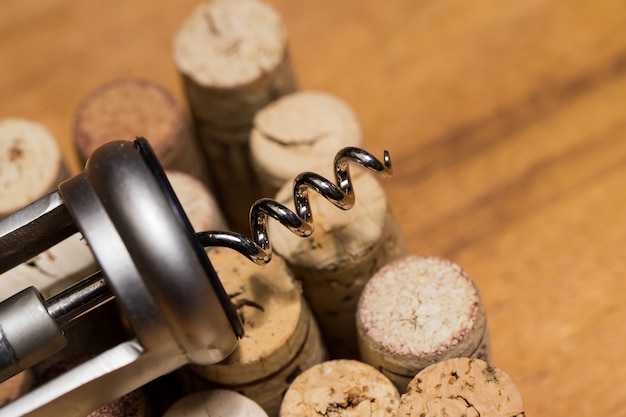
pixel 461 387
pixel 346 388
pixel 215 403
pixel 416 311
pixel 341 255
pixel 197 201
pixel 15 386
pixel 298 132
pixel 233 59
pixel 31 164
pixel 129 107
pixel 281 337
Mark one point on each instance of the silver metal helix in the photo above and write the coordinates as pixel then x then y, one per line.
pixel 300 222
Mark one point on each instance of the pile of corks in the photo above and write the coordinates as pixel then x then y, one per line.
pixel 342 323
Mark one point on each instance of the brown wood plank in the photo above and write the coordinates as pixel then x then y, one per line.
pixel 507 126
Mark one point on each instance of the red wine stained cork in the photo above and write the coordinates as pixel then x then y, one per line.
pixel 281 336
pixel 344 251
pixel 233 59
pixel 15 386
pixel 416 311
pixel 215 403
pixel 31 164
pixel 342 387
pixel 197 202
pixel 126 108
pixel 298 132
pixel 461 387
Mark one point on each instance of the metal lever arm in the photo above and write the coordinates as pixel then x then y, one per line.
pixel 34 229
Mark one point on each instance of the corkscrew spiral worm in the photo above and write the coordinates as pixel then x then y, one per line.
pixel 300 222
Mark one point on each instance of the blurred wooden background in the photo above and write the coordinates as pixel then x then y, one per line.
pixel 506 122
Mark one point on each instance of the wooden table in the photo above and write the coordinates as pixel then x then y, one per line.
pixel 506 122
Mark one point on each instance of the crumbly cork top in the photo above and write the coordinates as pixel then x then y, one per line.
pixel 461 387
pixel 269 303
pixel 227 43
pixel 418 306
pixel 345 388
pixel 340 237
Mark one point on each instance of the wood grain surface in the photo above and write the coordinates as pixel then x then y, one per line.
pixel 506 122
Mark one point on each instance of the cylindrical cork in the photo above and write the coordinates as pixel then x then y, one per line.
pixel 31 163
pixel 215 403
pixel 461 387
pixel 281 336
pixel 197 201
pixel 346 388
pixel 126 108
pixel 419 310
pixel 233 59
pixel 298 132
pixel 342 254
pixel 15 386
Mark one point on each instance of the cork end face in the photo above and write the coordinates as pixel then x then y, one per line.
pixel 340 388
pixel 270 306
pixel 461 387
pixel 341 237
pixel 299 132
pixel 124 109
pixel 215 403
pixel 418 310
pixel 224 44
pixel 132 404
pixel 30 163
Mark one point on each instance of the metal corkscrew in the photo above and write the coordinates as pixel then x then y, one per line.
pixel 152 264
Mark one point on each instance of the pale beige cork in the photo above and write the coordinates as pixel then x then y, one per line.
pixel 416 311
pixel 233 59
pixel 298 132
pixel 126 108
pixel 215 403
pixel 341 388
pixel 15 386
pixel 461 387
pixel 342 254
pixel 281 337
pixel 197 201
pixel 31 163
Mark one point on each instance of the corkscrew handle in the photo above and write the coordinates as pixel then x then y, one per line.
pixel 153 265
pixel 300 221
